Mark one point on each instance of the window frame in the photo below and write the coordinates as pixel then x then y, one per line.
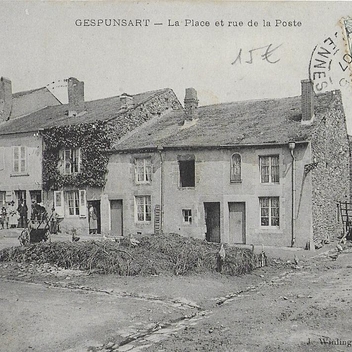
pixel 146 205
pixel 270 167
pixel 146 170
pixel 71 159
pixel 22 157
pixel 270 216
pixel 79 205
pixel 235 177
pixel 187 217
pixel 193 184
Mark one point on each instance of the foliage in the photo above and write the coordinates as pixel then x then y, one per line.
pixel 93 139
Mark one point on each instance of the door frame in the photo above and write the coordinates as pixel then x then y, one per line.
pixel 244 223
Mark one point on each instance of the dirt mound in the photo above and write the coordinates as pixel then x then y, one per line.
pixel 155 254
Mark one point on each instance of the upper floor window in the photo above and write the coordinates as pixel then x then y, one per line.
pixel 235 168
pixel 143 208
pixel 269 169
pixel 19 159
pixel 143 170
pixel 187 173
pixel 269 211
pixel 71 160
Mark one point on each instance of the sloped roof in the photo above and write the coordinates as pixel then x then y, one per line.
pixel 26 102
pixel 253 122
pixel 102 109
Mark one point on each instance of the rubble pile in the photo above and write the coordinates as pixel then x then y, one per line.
pixel 147 255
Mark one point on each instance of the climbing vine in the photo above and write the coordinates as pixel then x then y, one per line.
pixel 92 139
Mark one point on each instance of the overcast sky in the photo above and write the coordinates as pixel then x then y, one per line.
pixel 41 44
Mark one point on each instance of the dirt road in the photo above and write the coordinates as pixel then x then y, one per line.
pixel 277 308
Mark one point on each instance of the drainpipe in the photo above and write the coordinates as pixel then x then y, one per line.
pixel 160 149
pixel 292 146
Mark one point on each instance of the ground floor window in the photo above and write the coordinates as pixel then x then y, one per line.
pixel 2 199
pixel 70 203
pixel 269 211
pixel 187 216
pixel 143 208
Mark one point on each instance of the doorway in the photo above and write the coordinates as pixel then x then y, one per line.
pixel 96 206
pixel 212 221
pixel 116 210
pixel 237 222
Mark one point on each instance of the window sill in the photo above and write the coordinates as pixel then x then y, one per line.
pixel 19 174
pixel 270 183
pixel 186 188
pixel 143 183
pixel 235 181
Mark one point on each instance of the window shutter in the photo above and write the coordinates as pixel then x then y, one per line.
pixel 61 161
pixel 82 203
pixel 59 203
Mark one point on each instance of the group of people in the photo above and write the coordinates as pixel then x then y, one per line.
pixel 10 216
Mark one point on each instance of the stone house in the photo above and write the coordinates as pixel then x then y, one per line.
pixel 20 151
pixel 65 148
pixel 253 172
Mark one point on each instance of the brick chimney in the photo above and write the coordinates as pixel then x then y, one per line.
pixel 126 101
pixel 191 104
pixel 75 90
pixel 5 98
pixel 307 101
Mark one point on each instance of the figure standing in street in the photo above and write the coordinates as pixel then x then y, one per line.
pixel 93 220
pixel 4 218
pixel 22 211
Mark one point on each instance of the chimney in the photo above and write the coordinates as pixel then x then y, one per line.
pixel 191 104
pixel 5 99
pixel 307 101
pixel 126 101
pixel 75 90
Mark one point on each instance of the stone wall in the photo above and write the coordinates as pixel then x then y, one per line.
pixel 137 115
pixel 330 168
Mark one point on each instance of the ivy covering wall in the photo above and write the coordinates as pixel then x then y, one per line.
pixel 93 139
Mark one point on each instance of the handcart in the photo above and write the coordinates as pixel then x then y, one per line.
pixel 36 231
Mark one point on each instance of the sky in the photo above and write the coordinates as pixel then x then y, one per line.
pixel 46 42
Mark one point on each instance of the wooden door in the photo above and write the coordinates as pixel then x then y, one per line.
pixel 237 223
pixel 116 217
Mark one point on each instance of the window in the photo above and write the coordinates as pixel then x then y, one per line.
pixel 143 170
pixel 70 203
pixel 73 202
pixel 269 169
pixel 2 199
pixel 71 161
pixel 269 211
pixel 187 173
pixel 187 216
pixel 235 168
pixel 19 159
pixel 143 208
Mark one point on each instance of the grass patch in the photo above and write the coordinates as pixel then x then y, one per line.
pixel 155 254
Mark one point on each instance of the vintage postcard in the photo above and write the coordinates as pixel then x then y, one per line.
pixel 175 176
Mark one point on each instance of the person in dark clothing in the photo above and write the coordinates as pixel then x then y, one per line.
pixel 22 211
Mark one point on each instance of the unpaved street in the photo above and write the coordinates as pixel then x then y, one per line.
pixel 277 308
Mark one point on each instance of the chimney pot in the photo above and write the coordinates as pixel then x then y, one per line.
pixel 307 101
pixel 75 90
pixel 191 104
pixel 5 98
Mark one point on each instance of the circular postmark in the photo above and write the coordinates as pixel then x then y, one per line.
pixel 331 61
